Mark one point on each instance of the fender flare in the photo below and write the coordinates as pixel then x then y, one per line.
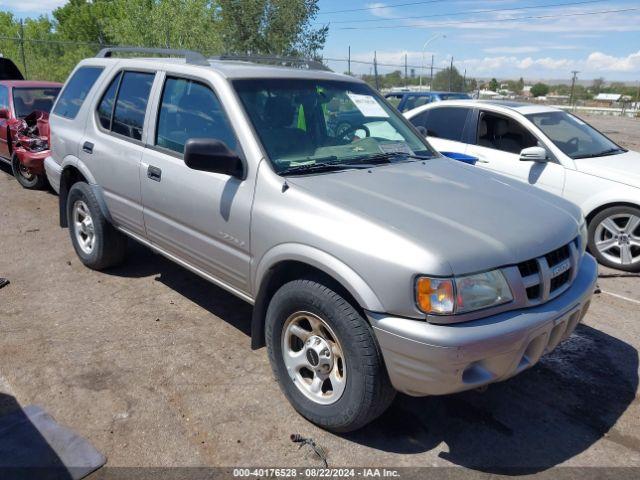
pixel 316 258
pixel 73 162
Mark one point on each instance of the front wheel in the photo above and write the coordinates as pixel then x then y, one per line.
pixel 325 357
pixel 26 177
pixel 614 238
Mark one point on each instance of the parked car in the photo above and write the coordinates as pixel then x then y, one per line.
pixel 24 128
pixel 556 151
pixel 373 264
pixel 405 101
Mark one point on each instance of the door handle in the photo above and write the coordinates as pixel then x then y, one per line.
pixel 154 173
pixel 87 147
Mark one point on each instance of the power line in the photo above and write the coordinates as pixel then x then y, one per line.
pixel 497 20
pixel 453 14
pixel 379 7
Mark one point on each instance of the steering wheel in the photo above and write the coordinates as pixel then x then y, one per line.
pixel 574 142
pixel 345 129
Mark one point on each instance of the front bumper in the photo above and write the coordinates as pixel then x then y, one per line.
pixel 427 359
pixel 54 171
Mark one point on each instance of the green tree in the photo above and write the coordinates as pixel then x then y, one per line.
pixel 281 27
pixel 448 79
pixel 539 89
pixel 519 85
pixel 494 85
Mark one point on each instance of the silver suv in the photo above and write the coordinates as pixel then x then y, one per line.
pixel 374 264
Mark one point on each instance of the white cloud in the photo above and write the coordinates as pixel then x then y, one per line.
pixel 601 61
pixel 29 6
pixel 381 10
pixel 546 63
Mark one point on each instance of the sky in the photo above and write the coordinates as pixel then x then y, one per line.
pixel 599 38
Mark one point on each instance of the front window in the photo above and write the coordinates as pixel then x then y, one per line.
pixel 307 122
pixel 27 100
pixel 576 139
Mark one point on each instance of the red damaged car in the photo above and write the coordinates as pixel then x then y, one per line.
pixel 24 128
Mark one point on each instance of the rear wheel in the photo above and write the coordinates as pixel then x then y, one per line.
pixel 614 238
pixel 325 357
pixel 98 244
pixel 26 177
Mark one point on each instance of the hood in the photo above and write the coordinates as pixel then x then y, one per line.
pixel 622 168
pixel 474 219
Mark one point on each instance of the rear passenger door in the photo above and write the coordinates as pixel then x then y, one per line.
pixel 113 144
pixel 447 127
pixel 200 218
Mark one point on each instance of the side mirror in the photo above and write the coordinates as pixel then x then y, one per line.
pixel 534 154
pixel 209 155
pixel 422 130
pixel 4 113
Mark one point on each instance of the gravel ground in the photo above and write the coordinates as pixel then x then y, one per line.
pixel 153 366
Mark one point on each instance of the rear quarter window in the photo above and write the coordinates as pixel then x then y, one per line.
pixel 75 91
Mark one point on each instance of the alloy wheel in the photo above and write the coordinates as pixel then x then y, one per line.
pixel 617 238
pixel 314 358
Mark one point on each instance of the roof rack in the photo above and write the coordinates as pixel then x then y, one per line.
pixel 190 56
pixel 275 60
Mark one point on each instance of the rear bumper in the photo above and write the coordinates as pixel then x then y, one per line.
pixel 54 171
pixel 427 359
pixel 34 161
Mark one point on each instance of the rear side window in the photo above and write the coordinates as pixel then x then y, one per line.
pixel 130 91
pixel 415 101
pixel 76 91
pixel 190 109
pixel 447 123
pixel 105 109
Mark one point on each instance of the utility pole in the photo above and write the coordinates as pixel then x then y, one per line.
pixel 464 81
pixel 349 62
pixel 375 69
pixel 24 60
pixel 450 72
pixel 431 76
pixel 573 85
pixel 406 78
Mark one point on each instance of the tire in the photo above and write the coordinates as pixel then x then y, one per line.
pixel 107 247
pixel 25 178
pixel 366 391
pixel 614 238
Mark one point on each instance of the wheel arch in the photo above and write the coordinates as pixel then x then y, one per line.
pixel 74 171
pixel 596 210
pixel 278 268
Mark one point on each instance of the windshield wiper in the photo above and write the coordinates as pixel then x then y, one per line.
pixel 387 157
pixel 318 167
pixel 604 153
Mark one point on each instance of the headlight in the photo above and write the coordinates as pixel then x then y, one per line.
pixel 445 296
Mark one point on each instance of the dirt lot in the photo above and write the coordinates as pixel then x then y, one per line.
pixel 153 366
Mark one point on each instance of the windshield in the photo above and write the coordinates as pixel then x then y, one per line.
pixel 574 137
pixel 26 100
pixel 305 122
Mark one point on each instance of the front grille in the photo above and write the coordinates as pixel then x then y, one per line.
pixel 548 276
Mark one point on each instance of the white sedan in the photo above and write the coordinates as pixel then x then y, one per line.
pixel 554 150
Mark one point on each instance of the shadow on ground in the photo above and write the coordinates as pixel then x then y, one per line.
pixel 24 452
pixel 530 423
pixel 537 420
pixel 143 262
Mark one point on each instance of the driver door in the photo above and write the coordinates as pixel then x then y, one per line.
pixel 498 142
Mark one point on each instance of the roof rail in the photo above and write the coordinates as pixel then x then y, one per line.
pixel 190 56
pixel 276 60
